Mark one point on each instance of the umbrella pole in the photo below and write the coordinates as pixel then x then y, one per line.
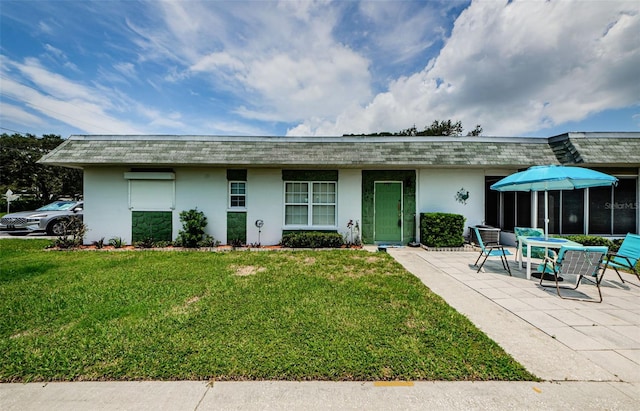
pixel 546 215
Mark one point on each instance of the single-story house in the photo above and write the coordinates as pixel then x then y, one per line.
pixel 136 186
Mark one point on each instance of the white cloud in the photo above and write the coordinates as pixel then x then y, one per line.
pixel 320 85
pixel 55 51
pixel 282 61
pixel 402 30
pixel 513 68
pixel 217 60
pixel 127 69
pixel 58 56
pixel 14 114
pixel 55 84
pixel 59 98
pixel 45 27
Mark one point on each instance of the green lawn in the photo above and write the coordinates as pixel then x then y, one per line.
pixel 325 315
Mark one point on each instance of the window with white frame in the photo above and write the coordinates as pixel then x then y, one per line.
pixel 237 194
pixel 310 204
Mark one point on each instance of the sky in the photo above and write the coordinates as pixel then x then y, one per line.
pixel 318 68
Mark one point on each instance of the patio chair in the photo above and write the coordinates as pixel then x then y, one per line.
pixel 490 249
pixel 627 256
pixel 584 262
pixel 536 252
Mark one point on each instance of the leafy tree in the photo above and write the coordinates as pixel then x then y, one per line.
pixel 20 171
pixel 442 128
pixel 437 128
pixel 476 131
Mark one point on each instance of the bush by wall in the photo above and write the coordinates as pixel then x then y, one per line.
pixel 192 233
pixel 442 229
pixel 593 240
pixel 312 239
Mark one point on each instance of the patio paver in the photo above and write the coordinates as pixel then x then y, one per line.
pixel 555 339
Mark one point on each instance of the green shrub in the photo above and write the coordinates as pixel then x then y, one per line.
pixel 192 234
pixel 73 234
pixel 616 246
pixel 116 242
pixel 312 239
pixel 161 244
pixel 208 241
pixel 99 243
pixel 442 229
pixel 147 242
pixel 592 240
pixel 235 242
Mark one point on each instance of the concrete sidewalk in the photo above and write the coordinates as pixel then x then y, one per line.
pixel 311 396
pixel 589 355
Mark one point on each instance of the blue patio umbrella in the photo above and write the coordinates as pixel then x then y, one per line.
pixel 553 177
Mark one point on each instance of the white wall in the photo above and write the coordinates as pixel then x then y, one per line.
pixel 204 189
pixel 349 199
pixel 265 201
pixel 106 204
pixel 437 189
pixel 107 214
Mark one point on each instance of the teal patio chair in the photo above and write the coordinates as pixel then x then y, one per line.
pixel 536 252
pixel 490 249
pixel 627 256
pixel 583 262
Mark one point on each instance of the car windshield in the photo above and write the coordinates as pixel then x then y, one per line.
pixel 57 206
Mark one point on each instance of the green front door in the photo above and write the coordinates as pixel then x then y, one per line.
pixel 388 212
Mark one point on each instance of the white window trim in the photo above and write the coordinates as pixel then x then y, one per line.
pixel 232 208
pixel 149 175
pixel 310 206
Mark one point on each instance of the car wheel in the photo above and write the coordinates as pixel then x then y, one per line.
pixel 56 227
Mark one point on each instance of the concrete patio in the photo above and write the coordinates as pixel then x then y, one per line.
pixel 556 339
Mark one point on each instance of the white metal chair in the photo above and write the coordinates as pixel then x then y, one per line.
pixel 583 262
pixel 490 249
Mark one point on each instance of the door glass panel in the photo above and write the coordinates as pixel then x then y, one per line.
pixel 524 209
pixel 509 202
pixel 554 211
pixel 624 206
pixel 573 211
pixel 491 203
pixel 600 210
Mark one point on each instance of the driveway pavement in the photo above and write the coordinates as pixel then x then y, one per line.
pixel 587 353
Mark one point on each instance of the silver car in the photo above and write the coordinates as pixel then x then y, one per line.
pixel 50 219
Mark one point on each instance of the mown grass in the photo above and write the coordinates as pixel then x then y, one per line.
pixel 326 315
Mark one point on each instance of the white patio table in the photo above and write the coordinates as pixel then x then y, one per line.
pixel 554 243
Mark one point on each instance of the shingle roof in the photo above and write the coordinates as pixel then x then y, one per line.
pixel 601 148
pixel 344 152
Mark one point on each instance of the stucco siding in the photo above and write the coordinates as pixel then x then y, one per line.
pixel 206 190
pixel 349 199
pixel 106 198
pixel 265 201
pixel 437 191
